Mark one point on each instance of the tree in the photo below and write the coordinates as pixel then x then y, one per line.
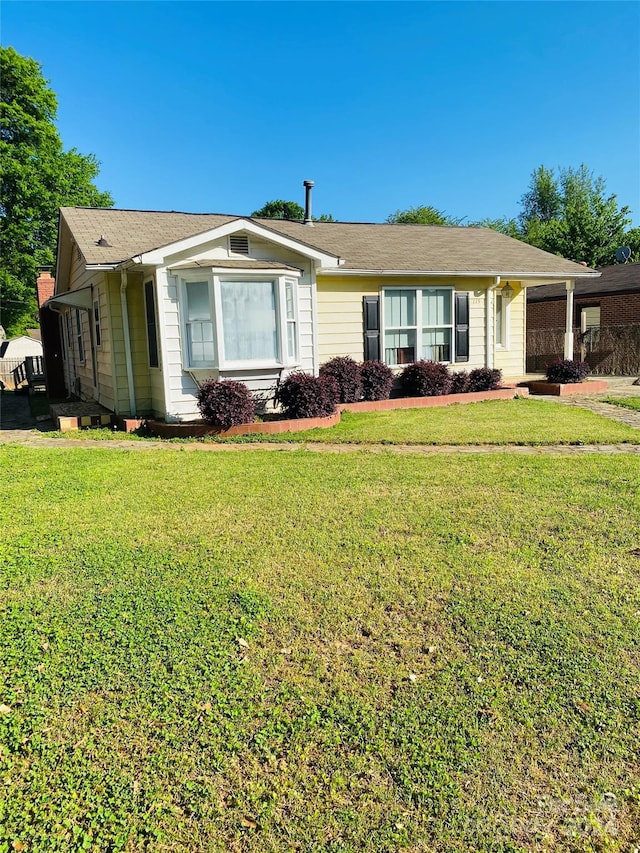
pixel 504 226
pixel 37 177
pixel 632 240
pixel 280 209
pixel 571 215
pixel 424 215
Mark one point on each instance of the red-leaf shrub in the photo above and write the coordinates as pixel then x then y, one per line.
pixel 425 379
pixel 304 396
pixel 346 373
pixel 225 404
pixel 377 380
pixel 484 379
pixel 567 372
pixel 459 382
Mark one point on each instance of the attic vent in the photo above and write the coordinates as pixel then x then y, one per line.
pixel 239 244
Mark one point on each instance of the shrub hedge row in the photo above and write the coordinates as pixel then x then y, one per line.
pixel 225 403
pixel 567 372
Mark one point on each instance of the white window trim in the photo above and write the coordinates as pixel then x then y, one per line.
pixel 79 337
pixel 214 279
pixel 97 321
pixel 505 346
pixel 418 328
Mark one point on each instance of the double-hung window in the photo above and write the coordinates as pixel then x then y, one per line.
pixel 418 324
pixel 199 324
pixel 241 321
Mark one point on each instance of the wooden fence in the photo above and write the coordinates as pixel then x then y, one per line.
pixel 609 350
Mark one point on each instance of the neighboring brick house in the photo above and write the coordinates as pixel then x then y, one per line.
pixel 606 321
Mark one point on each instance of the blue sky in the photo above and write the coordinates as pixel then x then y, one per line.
pixel 220 107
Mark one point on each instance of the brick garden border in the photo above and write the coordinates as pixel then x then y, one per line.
pixel 557 389
pixel 196 429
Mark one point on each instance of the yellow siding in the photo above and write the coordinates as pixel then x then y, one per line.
pixel 340 312
pixel 511 359
pixel 138 336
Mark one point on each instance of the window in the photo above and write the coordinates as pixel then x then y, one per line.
pixel 249 320
pixel 152 326
pixel 502 311
pixel 97 331
pixel 418 324
pixel 590 327
pixel 199 325
pixel 292 337
pixel 239 321
pixel 500 315
pixel 79 336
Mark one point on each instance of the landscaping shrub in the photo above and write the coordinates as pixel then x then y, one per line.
pixel 425 379
pixel 567 372
pixel 459 382
pixel 303 396
pixel 346 373
pixel 377 380
pixel 225 404
pixel 484 379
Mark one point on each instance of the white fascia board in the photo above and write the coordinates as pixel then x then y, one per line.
pixel 221 271
pixel 542 277
pixel 157 257
pixel 107 267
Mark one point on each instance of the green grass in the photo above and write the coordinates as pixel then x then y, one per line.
pixel 294 651
pixel 500 422
pixel 625 402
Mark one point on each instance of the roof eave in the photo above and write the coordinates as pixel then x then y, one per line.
pixel 562 276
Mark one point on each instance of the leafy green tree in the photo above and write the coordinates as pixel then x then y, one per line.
pixel 504 226
pixel 424 215
pixel 570 214
pixel 280 209
pixel 37 177
pixel 632 240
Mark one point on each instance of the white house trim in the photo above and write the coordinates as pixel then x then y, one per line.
pixel 157 257
pixel 547 277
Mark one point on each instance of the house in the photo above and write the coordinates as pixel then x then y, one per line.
pixel 149 304
pixel 13 353
pixel 605 321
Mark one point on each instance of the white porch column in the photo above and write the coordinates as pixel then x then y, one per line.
pixel 568 334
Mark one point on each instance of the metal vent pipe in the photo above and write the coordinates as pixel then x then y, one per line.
pixel 308 186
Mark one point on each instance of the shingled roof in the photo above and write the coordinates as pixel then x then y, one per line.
pixel 361 246
pixel 618 278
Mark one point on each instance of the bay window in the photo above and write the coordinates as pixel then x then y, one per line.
pixel 418 324
pixel 232 322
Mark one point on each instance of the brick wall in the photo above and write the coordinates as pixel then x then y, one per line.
pixel 620 309
pixel 45 286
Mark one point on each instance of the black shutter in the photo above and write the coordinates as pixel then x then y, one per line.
pixel 462 326
pixel 371 306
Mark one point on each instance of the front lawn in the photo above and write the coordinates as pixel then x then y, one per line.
pixel 523 421
pixel 295 651
pixel 625 402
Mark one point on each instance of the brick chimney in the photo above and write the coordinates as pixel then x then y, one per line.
pixel 45 286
